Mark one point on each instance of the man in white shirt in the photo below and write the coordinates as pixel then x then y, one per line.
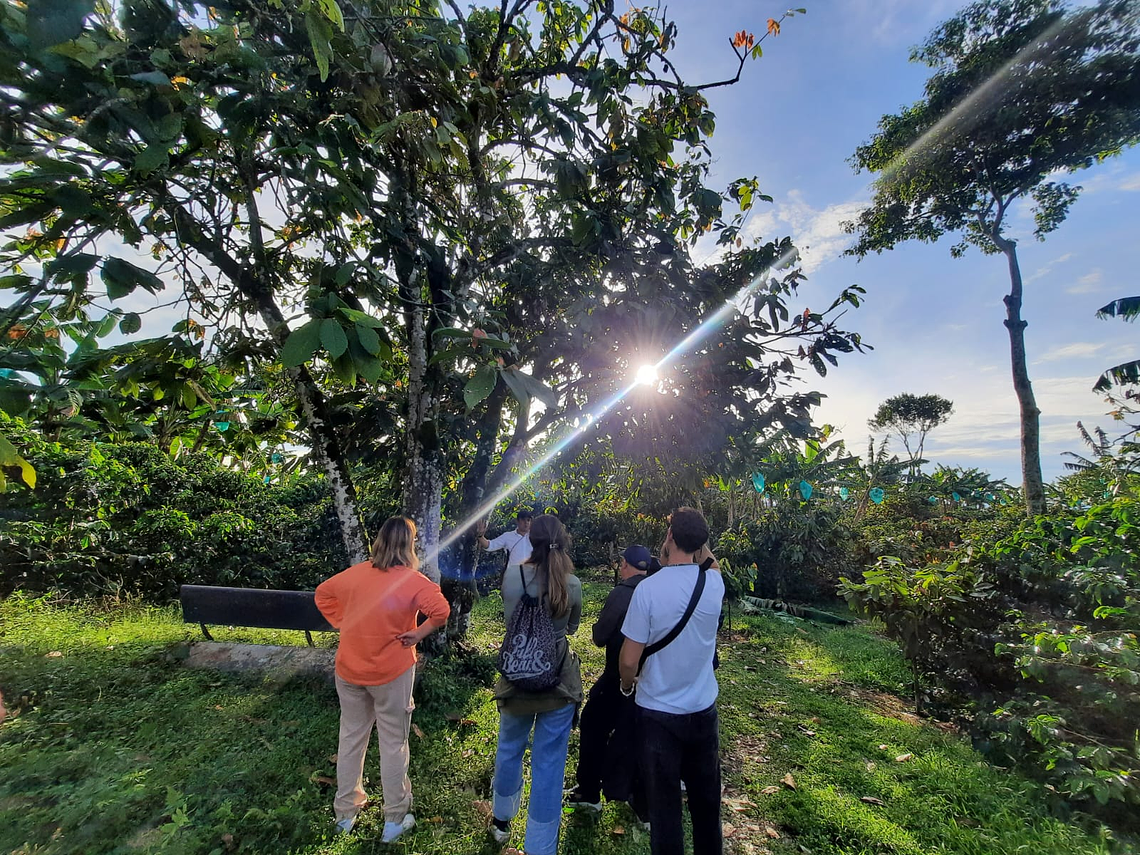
pixel 677 689
pixel 517 542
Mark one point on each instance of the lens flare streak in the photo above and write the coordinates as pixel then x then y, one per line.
pixel 988 91
pixel 700 333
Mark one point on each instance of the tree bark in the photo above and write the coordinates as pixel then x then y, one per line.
pixel 423 480
pixel 326 446
pixel 1032 483
pixel 461 591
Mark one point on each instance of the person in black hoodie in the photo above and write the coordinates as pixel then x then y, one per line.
pixel 606 756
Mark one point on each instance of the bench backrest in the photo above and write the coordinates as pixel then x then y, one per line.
pixel 251 607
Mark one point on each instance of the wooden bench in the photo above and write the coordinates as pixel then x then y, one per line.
pixel 205 604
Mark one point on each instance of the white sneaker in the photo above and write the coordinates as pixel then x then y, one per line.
pixel 500 835
pixel 345 825
pixel 392 830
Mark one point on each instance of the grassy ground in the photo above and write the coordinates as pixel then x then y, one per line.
pixel 118 749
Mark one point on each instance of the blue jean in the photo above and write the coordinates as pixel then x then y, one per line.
pixel 547 772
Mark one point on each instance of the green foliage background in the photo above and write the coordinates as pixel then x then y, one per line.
pixel 127 519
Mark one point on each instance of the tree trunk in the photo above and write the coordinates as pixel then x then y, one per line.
pixel 731 507
pixel 326 446
pixel 461 591
pixel 423 480
pixel 1032 482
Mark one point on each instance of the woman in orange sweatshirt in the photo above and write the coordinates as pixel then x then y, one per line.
pixel 374 604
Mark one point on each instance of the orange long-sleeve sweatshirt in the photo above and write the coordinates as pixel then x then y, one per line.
pixel 371 608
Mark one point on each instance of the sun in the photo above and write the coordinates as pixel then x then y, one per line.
pixel 647 374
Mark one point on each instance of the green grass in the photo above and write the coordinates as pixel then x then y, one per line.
pixel 119 749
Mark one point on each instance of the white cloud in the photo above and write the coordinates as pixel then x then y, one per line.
pixel 1047 268
pixel 818 233
pixel 1087 284
pixel 1125 351
pixel 1130 182
pixel 1076 350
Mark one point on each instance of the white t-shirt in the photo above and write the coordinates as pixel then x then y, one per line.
pixel 517 546
pixel 678 679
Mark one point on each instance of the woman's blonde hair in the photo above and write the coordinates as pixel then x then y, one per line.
pixel 550 553
pixel 395 545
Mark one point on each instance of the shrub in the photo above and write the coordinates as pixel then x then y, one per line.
pixel 1037 632
pixel 126 519
pixel 800 550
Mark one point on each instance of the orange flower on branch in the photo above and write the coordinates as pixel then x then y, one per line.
pixel 773 27
pixel 743 39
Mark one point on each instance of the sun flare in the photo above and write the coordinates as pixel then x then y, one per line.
pixel 647 375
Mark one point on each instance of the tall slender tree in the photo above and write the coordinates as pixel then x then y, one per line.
pixel 1022 91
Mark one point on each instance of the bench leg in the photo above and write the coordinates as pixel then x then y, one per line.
pixel 206 632
pixel 309 638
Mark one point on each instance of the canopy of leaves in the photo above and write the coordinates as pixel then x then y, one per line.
pixel 907 412
pixel 1022 90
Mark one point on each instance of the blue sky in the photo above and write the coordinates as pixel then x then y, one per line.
pixel 935 322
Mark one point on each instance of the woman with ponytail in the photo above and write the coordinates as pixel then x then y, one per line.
pixel 548 575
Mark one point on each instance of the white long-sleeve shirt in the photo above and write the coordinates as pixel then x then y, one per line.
pixel 517 545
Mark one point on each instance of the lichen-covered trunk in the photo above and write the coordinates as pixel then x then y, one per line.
pixel 1033 484
pixel 254 285
pixel 327 449
pixel 423 479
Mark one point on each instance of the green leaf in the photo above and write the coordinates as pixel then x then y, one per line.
pixel 480 385
pixel 301 344
pixel 72 266
pixel 18 281
pixel 50 22
pixel 361 318
pixel 155 78
pixel 151 158
pixel 453 352
pixel 74 201
pixel 535 388
pixel 131 323
pixel 121 278
pixel 370 369
pixel 10 457
pixel 345 369
pixel 320 34
pixel 333 337
pixel 344 273
pixel 517 387
pixel 169 128
pixel 333 13
pixel 368 339
pixel 14 400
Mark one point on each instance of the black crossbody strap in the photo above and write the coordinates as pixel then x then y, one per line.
pixel 698 589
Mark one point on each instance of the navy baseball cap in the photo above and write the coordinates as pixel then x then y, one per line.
pixel 638 556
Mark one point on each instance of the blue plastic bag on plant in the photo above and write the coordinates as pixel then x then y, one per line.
pixel 844 493
pixel 877 495
pixel 758 482
pixel 805 490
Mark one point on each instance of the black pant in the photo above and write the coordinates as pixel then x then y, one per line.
pixel 676 748
pixel 607 755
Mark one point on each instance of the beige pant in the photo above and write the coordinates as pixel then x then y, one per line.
pixel 389 708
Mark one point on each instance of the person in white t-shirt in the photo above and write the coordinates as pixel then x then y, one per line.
pixel 516 543
pixel 677 689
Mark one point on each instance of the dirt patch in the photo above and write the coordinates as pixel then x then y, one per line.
pixel 746 831
pixel 145 838
pixel 747 758
pixel 892 706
